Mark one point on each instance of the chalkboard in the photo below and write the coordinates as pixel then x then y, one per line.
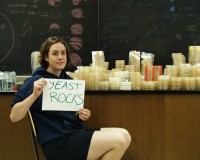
pixel 25 24
pixel 161 27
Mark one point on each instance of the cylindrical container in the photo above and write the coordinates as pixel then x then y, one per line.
pixel 198 83
pixel 98 59
pixel 135 78
pixel 120 64
pixel 12 79
pixel 6 77
pixel 152 73
pixel 163 82
pixel 194 55
pixel 189 83
pixel 1 80
pixel 171 70
pixel 185 70
pixel 176 83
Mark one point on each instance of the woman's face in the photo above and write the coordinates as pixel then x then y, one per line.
pixel 57 58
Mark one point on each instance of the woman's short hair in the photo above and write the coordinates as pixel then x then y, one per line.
pixel 45 47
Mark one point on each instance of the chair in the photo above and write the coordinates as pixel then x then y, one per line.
pixel 38 153
pixel 35 56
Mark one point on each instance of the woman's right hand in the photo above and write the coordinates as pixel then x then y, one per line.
pixel 38 86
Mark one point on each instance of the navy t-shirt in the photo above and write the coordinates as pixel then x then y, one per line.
pixel 48 124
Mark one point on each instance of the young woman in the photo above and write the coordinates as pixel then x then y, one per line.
pixel 61 133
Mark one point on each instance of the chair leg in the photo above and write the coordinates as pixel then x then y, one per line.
pixel 34 138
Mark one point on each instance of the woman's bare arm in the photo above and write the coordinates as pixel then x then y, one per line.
pixel 20 109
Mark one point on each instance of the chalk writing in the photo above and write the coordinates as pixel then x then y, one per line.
pixel 22 8
pixel 118 20
pixel 43 14
pixel 178 37
pixel 7 31
pixel 157 29
pixel 26 29
pixel 155 26
pixel 191 28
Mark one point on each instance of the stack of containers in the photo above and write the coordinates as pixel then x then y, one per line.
pixel 194 55
pixel 114 83
pixel 147 60
pixel 134 59
pixel 120 65
pixel 178 58
pixel 130 68
pixel 124 76
pixel 178 76
pixel 170 78
pixel 163 82
pixel 98 59
pixel 176 83
pixel 135 79
pixel 152 73
pixel 185 70
pixel 196 73
pixel 189 83
pixel 148 85
pixel 197 82
pixel 171 70
pixel 104 80
pixel 194 59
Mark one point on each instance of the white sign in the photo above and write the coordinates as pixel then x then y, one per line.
pixel 63 95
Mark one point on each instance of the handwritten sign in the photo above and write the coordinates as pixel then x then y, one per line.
pixel 63 95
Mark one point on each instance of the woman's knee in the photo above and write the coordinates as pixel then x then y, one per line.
pixel 123 132
pixel 124 139
pixel 127 135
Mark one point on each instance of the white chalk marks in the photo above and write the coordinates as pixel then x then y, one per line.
pixel 7 32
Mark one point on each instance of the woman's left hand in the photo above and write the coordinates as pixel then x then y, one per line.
pixel 84 114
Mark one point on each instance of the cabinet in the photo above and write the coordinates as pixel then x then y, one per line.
pixel 163 125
